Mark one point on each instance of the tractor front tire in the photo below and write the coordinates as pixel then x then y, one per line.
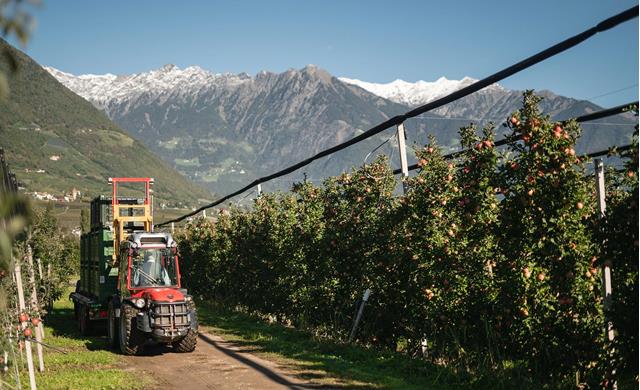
pixel 112 328
pixel 131 339
pixel 187 343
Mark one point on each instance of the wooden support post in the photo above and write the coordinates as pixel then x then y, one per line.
pixel 204 214
pixel 27 342
pixel 173 228
pixel 606 267
pixel 34 305
pixel 404 167
pixel 259 190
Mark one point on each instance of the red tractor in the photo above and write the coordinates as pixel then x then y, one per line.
pixel 130 276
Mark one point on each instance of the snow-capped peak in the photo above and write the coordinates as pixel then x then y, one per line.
pixel 414 94
pixel 169 79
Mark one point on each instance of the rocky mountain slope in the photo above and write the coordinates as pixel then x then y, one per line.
pixel 227 129
pixel 55 140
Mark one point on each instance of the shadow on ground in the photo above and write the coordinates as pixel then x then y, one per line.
pixel 63 323
pixel 266 371
pixel 333 365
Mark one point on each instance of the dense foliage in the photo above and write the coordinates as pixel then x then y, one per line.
pixel 47 259
pixel 619 234
pixel 490 261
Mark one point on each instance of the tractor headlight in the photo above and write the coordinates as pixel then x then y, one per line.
pixel 140 302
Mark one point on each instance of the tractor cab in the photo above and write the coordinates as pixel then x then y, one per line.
pixel 148 260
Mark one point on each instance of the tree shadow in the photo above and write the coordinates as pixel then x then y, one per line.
pixel 268 372
pixel 63 324
pixel 349 366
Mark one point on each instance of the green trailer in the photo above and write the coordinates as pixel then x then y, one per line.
pixel 98 271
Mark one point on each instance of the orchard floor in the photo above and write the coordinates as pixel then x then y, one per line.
pixel 215 364
pixel 237 351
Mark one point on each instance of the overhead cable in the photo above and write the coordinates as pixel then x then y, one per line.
pixel 606 24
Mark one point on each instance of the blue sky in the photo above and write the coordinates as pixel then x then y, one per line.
pixel 376 41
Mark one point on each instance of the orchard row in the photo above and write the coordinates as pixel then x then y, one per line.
pixel 490 258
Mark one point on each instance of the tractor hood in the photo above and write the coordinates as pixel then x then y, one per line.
pixel 163 295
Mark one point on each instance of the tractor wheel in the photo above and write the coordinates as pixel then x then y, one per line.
pixel 131 339
pixel 112 328
pixel 83 320
pixel 187 343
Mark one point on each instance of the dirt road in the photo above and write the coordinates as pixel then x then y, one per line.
pixel 215 364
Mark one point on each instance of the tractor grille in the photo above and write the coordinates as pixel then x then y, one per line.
pixel 170 315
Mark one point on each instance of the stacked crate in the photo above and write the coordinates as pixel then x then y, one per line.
pixel 97 278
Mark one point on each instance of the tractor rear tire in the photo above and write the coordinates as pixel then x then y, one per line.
pixel 187 343
pixel 131 339
pixel 112 328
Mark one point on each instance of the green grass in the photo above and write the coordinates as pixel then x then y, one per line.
pixel 331 363
pixel 88 363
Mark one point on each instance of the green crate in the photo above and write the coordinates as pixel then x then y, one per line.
pixel 97 279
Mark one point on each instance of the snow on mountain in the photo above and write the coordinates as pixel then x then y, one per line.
pixel 415 94
pixel 168 80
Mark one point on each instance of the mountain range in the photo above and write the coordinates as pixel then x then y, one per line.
pixel 56 141
pixel 224 130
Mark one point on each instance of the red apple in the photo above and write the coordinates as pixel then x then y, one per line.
pixel 429 294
